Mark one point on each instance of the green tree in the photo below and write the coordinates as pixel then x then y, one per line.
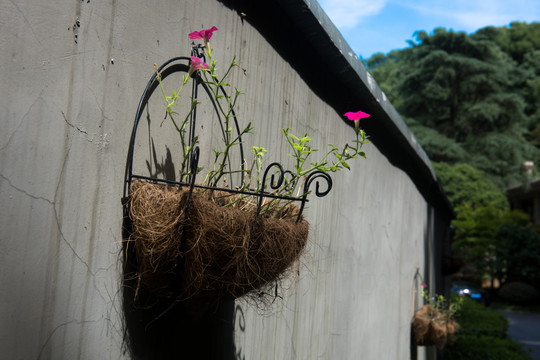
pixel 476 230
pixel 521 41
pixel 482 211
pixel 518 254
pixel 463 184
pixel 384 69
pixel 464 92
pixel 439 147
pixel 501 156
pixel 531 94
pixel 478 240
pixel 473 103
pixel 518 39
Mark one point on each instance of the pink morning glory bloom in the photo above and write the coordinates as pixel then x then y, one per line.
pixel 196 64
pixel 203 35
pixel 424 285
pixel 356 116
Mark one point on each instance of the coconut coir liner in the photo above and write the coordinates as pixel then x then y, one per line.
pixel 228 250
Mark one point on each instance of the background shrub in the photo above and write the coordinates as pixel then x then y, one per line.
pixel 475 319
pixel 519 293
pixel 482 336
pixel 485 348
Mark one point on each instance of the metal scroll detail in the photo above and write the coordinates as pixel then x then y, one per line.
pixel 275 176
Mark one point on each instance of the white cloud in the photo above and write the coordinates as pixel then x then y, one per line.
pixel 346 14
pixel 474 14
pixel 497 13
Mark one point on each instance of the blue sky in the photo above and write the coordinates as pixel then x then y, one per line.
pixel 371 26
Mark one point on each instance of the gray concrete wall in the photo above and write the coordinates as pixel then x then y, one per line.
pixel 67 100
pixel 356 292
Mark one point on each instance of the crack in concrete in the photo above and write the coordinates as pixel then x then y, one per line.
pixel 11 136
pixel 25 192
pixel 101 141
pixel 23 118
pixel 81 130
pixel 56 216
pixel 98 104
pixel 58 225
pixel 28 23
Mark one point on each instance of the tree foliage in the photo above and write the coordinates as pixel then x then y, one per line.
pixel 464 184
pixel 478 240
pixel 518 254
pixel 439 147
pixel 470 98
pixel 473 103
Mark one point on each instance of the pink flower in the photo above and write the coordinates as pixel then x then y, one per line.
pixel 356 116
pixel 196 64
pixel 424 285
pixel 203 35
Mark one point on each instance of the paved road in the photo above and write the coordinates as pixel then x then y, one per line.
pixel 525 329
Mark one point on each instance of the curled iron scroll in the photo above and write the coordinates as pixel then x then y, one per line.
pixel 273 183
pixel 316 175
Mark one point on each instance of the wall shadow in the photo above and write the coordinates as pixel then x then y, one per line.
pixel 161 169
pixel 413 349
pixel 157 328
pixel 154 330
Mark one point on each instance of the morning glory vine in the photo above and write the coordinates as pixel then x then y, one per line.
pixel 334 159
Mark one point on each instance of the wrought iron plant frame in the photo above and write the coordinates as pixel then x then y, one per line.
pixel 181 64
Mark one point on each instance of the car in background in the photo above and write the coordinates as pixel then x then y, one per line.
pixel 470 290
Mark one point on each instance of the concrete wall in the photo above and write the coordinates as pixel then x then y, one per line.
pixel 68 95
pixel 356 292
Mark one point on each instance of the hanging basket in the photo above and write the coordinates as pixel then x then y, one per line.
pixel 430 328
pixel 208 244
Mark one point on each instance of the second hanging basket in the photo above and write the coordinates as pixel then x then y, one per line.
pixel 430 328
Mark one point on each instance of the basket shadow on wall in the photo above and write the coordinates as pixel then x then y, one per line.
pixel 160 327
